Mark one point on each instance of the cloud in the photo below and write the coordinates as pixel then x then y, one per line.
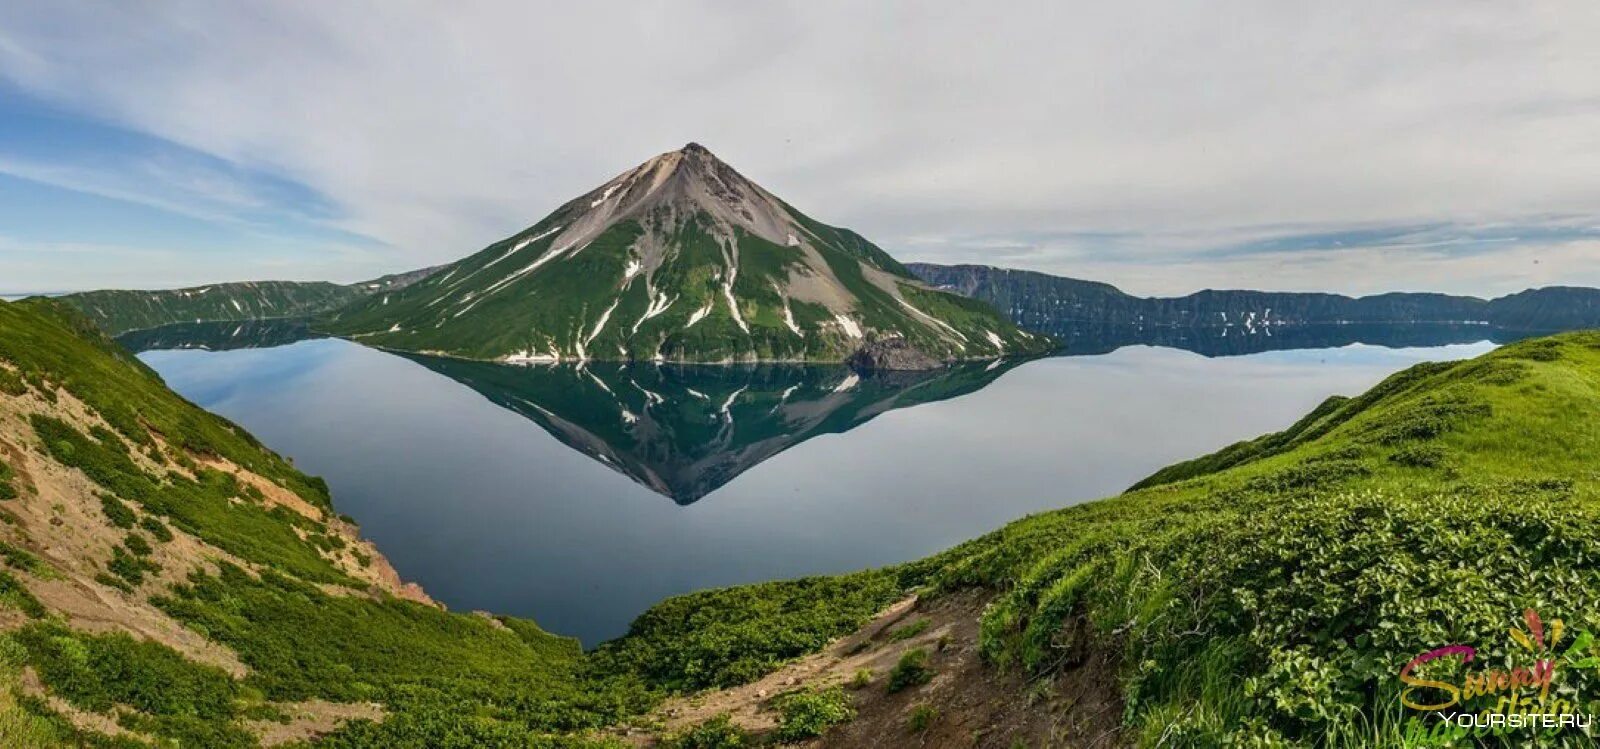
pixel 1356 270
pixel 437 130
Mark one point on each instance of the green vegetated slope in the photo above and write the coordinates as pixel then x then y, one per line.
pixel 277 588
pixel 1275 589
pixel 1267 594
pixel 678 259
pixel 1271 593
pixel 119 311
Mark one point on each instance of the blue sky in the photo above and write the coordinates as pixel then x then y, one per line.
pixel 82 198
pixel 1157 145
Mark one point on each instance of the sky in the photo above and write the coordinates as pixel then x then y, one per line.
pixel 1162 146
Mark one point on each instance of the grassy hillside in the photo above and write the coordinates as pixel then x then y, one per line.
pixel 1276 589
pixel 1270 594
pixel 126 509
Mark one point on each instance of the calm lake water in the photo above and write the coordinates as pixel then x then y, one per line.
pixel 578 497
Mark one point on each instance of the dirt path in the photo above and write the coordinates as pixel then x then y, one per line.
pixel 972 703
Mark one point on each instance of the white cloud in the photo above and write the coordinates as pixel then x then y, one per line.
pixel 1356 271
pixel 440 128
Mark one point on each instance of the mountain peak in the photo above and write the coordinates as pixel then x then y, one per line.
pixel 673 187
pixel 679 258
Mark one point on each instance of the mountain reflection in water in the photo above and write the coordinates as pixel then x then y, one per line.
pixel 685 430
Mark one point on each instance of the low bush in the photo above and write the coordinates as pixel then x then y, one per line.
pixel 136 544
pixel 157 529
pixel 21 559
pixel 11 384
pixel 910 671
pixel 116 512
pixel 130 567
pixel 717 733
pixel 16 595
pixel 861 679
pixel 921 718
pixel 807 714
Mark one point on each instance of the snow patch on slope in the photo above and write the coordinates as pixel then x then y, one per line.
pixel 658 304
pixel 515 248
pixel 850 327
pixel 607 194
pixel 788 314
pixel 598 326
pixel 699 314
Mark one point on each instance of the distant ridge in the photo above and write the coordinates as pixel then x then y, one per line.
pixel 121 311
pixel 1046 303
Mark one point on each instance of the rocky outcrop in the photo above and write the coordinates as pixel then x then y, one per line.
pixel 892 354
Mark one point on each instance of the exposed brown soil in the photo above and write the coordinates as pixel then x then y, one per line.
pixel 313 718
pixel 974 703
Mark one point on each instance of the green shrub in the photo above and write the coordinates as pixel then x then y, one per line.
pixel 112 581
pixel 1427 420
pixel 910 671
pixel 861 679
pixel 129 567
pixel 21 559
pixel 156 528
pixel 8 489
pixel 136 544
pixel 1542 350
pixel 921 718
pixel 807 714
pixel 1319 474
pixel 717 733
pixel 118 513
pixel 17 595
pixel 11 384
